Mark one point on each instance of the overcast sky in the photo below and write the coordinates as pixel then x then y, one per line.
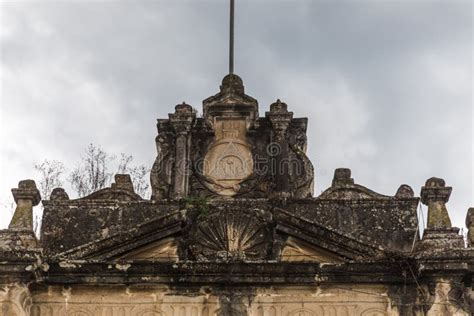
pixel 386 85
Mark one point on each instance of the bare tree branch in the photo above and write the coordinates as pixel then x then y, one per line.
pixel 50 176
pixel 92 172
pixel 139 174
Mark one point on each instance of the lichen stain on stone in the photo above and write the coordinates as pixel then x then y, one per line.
pixel 122 267
pixel 44 266
pixel 67 265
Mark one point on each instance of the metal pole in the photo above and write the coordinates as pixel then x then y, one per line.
pixel 231 38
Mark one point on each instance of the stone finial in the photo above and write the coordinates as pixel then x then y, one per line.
pixel 280 119
pixel 435 194
pixel 232 83
pixel 279 107
pixel 59 194
pixel 26 196
pixel 405 191
pixel 182 119
pixel 342 176
pixel 231 101
pixel 183 108
pixel 470 226
pixel 123 182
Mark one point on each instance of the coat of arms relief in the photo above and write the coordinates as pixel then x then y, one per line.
pixel 228 161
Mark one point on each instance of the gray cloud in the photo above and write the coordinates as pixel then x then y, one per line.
pixel 387 85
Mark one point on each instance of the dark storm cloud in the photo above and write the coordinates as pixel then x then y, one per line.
pixel 386 84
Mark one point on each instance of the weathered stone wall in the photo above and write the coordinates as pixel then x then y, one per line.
pixel 392 220
pixel 258 301
pixel 86 221
pixel 333 299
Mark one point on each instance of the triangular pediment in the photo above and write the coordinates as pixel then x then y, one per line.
pixel 165 250
pixel 298 250
pixel 231 104
pixel 231 92
pixel 152 239
pixel 231 101
pixel 224 99
pixel 316 242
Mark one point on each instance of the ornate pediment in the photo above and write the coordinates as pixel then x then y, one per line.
pixel 225 234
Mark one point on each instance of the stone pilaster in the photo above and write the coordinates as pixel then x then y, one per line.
pixel 182 120
pixel 439 234
pixel 19 239
pixel 435 194
pixel 26 196
pixel 280 119
pixel 470 227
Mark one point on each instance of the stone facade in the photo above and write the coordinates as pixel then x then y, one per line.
pixel 232 228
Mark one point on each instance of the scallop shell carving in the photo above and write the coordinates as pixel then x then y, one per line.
pixel 230 235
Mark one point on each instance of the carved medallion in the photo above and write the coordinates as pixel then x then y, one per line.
pixel 229 161
pixel 227 164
